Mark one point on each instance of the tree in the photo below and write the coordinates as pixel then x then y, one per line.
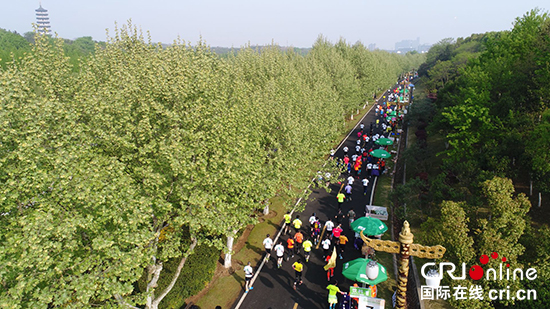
pixel 452 232
pixel 146 152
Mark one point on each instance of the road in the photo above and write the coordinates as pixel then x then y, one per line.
pixel 273 287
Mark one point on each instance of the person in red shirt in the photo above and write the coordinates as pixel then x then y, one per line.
pixel 337 231
pixel 290 247
pixel 330 271
pixel 298 239
pixel 346 160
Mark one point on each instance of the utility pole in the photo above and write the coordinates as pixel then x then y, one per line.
pixel 406 248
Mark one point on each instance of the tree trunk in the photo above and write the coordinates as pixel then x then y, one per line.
pixel 530 187
pixel 152 301
pixel 266 208
pixel 540 199
pixel 227 260
pixel 351 117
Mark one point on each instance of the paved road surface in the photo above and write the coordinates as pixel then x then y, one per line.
pixel 273 287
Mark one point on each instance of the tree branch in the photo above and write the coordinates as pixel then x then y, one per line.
pixel 178 271
pixel 123 302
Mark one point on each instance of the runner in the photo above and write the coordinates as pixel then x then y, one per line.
pixel 365 185
pixel 287 217
pixel 307 249
pixel 326 246
pixel 298 269
pixel 248 274
pixel 351 216
pixel 316 233
pixel 311 221
pixel 345 149
pixel 336 233
pixel 348 191
pixel 346 160
pixel 290 247
pixel 268 244
pixel 298 239
pixel 343 241
pixel 329 225
pixel 339 217
pixel 330 271
pixel 297 223
pixel 280 251
pixel 340 197
pixel 332 290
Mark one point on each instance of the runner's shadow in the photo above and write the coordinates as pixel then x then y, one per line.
pixel 277 226
pixel 254 248
pixel 266 282
pixel 238 278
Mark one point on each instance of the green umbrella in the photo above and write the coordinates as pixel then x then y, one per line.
pixel 384 141
pixel 380 153
pixel 369 226
pixel 389 118
pixel 356 270
pixel 393 113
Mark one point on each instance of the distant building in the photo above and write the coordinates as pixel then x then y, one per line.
pixel 43 21
pixel 410 45
pixel 372 46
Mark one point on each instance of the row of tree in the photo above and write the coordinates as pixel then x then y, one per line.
pixel 13 46
pixel 146 152
pixel 492 112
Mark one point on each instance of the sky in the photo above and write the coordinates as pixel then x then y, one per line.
pixel 295 23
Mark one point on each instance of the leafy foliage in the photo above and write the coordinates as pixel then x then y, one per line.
pixel 115 171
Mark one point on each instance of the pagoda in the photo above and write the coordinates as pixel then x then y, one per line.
pixel 43 21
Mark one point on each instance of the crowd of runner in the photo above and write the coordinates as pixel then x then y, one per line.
pixel 359 167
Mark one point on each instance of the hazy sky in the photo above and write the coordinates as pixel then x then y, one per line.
pixel 297 23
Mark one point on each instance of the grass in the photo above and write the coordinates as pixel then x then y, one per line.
pixel 226 289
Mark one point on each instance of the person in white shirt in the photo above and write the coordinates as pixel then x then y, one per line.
pixel 369 169
pixel 326 246
pixel 248 274
pixel 268 244
pixel 345 149
pixel 311 221
pixel 279 251
pixel 354 157
pixel 365 185
pixel 327 178
pixel 357 148
pixel 329 225
pixel 350 180
pixel 358 142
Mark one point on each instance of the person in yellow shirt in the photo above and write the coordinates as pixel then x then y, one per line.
pixel 340 197
pixel 298 269
pixel 307 248
pixel 343 240
pixel 287 217
pixel 297 223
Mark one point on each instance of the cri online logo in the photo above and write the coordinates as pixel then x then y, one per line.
pixel 476 272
